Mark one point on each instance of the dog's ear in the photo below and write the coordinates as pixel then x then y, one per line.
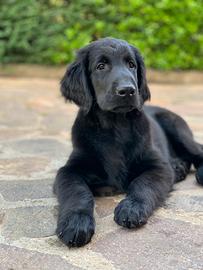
pixel 141 76
pixel 75 85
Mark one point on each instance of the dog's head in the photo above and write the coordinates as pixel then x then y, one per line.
pixel 109 72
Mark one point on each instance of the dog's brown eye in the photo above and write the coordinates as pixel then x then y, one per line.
pixel 101 66
pixel 131 64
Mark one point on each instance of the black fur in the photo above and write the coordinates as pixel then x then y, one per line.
pixel 118 142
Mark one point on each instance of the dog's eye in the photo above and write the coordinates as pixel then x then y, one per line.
pixel 101 66
pixel 131 64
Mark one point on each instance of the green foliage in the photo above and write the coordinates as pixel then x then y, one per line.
pixel 169 33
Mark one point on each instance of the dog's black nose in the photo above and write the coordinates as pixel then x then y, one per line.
pixel 125 91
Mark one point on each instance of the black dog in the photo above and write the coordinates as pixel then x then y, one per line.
pixel 118 142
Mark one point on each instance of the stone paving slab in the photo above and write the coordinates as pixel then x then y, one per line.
pixel 13 258
pixel 162 244
pixel 19 190
pixel 35 127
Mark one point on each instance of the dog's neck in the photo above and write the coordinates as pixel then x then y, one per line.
pixel 106 119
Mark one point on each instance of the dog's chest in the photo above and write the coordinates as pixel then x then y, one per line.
pixel 118 149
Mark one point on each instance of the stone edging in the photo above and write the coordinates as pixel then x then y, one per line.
pixel 56 72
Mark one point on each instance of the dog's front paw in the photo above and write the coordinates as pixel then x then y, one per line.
pixel 130 213
pixel 76 230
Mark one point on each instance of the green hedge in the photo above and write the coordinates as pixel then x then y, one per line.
pixel 169 33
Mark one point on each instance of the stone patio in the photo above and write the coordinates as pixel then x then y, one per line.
pixel 35 141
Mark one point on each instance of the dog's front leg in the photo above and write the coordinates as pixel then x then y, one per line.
pixel 75 219
pixel 145 193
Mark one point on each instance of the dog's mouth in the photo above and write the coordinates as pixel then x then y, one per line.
pixel 123 109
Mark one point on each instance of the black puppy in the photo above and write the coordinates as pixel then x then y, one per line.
pixel 118 142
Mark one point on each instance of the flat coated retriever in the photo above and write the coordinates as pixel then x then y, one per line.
pixel 118 143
